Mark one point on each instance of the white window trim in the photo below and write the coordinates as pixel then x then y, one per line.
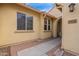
pixel 48 24
pixel 23 31
pixel 26 23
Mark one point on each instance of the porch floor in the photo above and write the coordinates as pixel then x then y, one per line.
pixel 40 49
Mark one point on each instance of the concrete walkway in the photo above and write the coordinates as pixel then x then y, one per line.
pixel 40 49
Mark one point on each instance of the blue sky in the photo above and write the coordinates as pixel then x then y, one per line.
pixel 42 6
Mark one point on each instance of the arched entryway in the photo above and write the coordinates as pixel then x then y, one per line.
pixel 57 28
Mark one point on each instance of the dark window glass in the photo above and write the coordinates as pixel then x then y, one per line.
pixel 48 24
pixel 45 23
pixel 29 23
pixel 48 27
pixel 45 27
pixel 21 21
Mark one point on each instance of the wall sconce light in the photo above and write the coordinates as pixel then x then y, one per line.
pixel 71 7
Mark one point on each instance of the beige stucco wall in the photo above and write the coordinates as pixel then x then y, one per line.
pixel 70 32
pixel 8 19
pixel 57 13
pixel 45 34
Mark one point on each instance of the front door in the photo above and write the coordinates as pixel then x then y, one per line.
pixel 59 28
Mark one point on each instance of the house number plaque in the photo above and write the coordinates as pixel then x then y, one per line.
pixel 72 21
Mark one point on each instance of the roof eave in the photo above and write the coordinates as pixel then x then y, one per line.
pixel 22 5
pixel 19 4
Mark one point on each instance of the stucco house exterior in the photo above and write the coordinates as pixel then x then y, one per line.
pixel 57 12
pixel 70 29
pixel 69 26
pixel 20 24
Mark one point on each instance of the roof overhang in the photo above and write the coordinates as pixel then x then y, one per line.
pixel 25 6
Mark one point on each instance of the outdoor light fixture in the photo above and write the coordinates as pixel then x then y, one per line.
pixel 71 7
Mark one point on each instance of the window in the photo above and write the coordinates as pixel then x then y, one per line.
pixel 21 21
pixel 46 24
pixel 29 23
pixel 24 22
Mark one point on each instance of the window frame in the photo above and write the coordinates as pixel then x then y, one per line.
pixel 25 22
pixel 17 20
pixel 48 24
